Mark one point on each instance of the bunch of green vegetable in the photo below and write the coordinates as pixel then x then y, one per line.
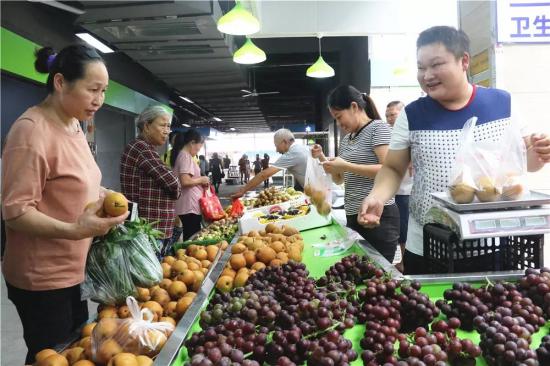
pixel 120 261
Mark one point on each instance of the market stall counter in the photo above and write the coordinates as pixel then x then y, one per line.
pixel 415 295
pixel 365 299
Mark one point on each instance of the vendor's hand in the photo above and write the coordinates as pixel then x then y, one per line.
pixel 204 181
pixel 334 165
pixel 370 212
pixel 540 143
pixel 238 194
pixel 89 224
pixel 317 152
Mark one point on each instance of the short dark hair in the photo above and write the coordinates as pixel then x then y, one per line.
pixel 70 62
pixel 454 40
pixel 394 103
pixel 342 97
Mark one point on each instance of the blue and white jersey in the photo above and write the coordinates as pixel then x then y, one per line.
pixel 432 133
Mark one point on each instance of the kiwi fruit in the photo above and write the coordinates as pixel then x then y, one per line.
pixel 318 197
pixel 487 191
pixel 462 193
pixel 512 192
pixel 308 190
pixel 324 209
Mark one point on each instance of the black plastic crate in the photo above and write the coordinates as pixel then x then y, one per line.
pixel 445 253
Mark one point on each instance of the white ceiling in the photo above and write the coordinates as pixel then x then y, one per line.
pixel 350 18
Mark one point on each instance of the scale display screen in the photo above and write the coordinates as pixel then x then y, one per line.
pixel 510 223
pixel 485 224
pixel 535 221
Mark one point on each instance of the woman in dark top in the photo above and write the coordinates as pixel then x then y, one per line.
pixel 265 165
pixel 216 168
pixel 257 164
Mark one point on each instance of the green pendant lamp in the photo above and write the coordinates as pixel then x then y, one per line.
pixel 249 54
pixel 239 22
pixel 320 69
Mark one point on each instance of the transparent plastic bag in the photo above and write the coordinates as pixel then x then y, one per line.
pixel 490 170
pixel 318 186
pixel 512 170
pixel 137 334
pixel 117 263
pixel 337 246
pixel 108 279
pixel 143 264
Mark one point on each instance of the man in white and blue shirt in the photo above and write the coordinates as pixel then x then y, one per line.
pixel 428 129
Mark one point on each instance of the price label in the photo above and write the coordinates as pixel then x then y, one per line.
pixel 510 223
pixel 485 224
pixel 535 221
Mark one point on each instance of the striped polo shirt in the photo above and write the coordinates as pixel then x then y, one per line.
pixel 359 149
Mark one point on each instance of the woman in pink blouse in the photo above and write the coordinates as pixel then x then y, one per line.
pixel 186 147
pixel 48 178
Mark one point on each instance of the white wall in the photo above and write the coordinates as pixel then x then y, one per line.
pixel 383 95
pixel 524 71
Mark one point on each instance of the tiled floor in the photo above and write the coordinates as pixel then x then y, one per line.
pixel 13 348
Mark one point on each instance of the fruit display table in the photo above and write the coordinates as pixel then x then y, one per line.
pixel 434 286
pixel 315 264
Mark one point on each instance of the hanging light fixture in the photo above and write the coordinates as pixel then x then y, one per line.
pixel 320 69
pixel 249 53
pixel 238 21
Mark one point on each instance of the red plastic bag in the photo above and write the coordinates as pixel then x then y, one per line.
pixel 211 207
pixel 237 208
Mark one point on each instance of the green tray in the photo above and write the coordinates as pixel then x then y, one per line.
pixel 317 267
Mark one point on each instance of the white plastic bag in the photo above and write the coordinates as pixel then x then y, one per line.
pixel 318 186
pixel 489 170
pixel 137 334
pixel 512 170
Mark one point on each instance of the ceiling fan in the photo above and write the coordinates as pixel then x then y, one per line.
pixel 254 92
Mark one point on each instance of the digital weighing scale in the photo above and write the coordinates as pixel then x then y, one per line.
pixel 529 216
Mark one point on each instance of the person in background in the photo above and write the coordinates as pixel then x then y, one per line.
pixel 216 168
pixel 226 162
pixel 244 169
pixel 145 179
pixel 50 195
pixel 265 165
pixel 203 165
pixel 362 153
pixel 248 170
pixel 428 131
pixel 294 159
pixel 168 152
pixel 402 196
pixel 392 111
pixel 188 208
pixel 257 165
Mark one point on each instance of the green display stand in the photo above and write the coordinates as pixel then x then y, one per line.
pixel 317 267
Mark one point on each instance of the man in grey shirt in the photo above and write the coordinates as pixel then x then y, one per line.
pixel 294 159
